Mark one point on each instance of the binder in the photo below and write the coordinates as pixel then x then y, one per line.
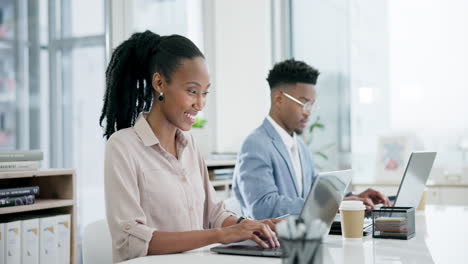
pixel 13 243
pixel 2 243
pixel 47 240
pixel 30 241
pixel 63 238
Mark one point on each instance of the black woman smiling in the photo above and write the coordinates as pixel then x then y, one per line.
pixel 158 195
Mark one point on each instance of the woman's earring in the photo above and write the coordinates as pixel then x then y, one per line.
pixel 161 97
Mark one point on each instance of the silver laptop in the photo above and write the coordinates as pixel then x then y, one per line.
pixel 322 203
pixel 410 190
pixel 414 179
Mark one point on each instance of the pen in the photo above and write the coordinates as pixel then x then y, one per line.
pixel 283 216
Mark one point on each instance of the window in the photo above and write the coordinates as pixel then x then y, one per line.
pixel 389 68
pixel 409 60
pixel 39 44
pixel 52 70
pixel 19 94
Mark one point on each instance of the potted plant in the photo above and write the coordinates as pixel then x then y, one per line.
pixel 201 135
pixel 318 153
pixel 199 122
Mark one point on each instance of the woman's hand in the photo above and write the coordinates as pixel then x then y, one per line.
pixel 253 230
pixel 271 222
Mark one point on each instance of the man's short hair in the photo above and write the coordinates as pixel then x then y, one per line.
pixel 291 72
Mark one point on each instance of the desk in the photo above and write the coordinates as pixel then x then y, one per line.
pixel 437 193
pixel 441 237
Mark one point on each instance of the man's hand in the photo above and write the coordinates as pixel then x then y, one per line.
pixel 370 197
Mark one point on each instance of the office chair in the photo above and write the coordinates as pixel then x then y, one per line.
pixel 97 243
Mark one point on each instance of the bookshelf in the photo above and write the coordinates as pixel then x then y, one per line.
pixel 215 164
pixel 222 187
pixel 56 196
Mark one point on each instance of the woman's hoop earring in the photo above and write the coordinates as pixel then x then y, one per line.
pixel 161 97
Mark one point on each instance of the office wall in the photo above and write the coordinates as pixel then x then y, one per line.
pixel 236 40
pixel 239 56
pixel 321 38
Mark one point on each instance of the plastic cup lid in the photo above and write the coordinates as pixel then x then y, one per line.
pixel 352 205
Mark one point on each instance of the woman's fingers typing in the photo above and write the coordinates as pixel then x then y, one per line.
pixel 267 231
pixel 259 241
pixel 260 229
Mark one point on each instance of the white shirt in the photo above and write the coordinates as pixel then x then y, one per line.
pixel 292 146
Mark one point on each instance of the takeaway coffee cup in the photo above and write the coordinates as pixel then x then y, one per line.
pixel 352 219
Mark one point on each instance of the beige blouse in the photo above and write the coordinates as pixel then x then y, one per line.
pixel 147 189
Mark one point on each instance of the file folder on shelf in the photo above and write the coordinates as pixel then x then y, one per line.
pixel 2 243
pixel 47 240
pixel 13 242
pixel 30 241
pixel 63 224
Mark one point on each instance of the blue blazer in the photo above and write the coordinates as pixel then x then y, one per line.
pixel 264 183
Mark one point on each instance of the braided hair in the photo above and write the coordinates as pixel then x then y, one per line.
pixel 129 89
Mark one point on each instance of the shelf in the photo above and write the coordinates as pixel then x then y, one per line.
pixel 220 163
pixel 39 205
pixel 35 173
pixel 221 182
pixel 56 196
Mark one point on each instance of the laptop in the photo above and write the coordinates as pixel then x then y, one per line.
pixel 410 190
pixel 414 179
pixel 322 203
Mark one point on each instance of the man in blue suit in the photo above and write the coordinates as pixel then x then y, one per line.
pixel 275 170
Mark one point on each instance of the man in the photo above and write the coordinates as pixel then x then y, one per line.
pixel 275 170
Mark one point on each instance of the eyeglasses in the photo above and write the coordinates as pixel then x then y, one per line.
pixel 306 107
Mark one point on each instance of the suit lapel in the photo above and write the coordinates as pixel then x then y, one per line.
pixel 281 148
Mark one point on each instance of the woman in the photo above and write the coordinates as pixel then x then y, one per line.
pixel 158 195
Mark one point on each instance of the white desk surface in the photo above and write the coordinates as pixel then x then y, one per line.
pixel 441 237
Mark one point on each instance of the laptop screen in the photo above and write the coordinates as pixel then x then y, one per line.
pixel 414 179
pixel 325 197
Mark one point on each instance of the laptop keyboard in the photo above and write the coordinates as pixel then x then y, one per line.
pixel 249 250
pixel 255 248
